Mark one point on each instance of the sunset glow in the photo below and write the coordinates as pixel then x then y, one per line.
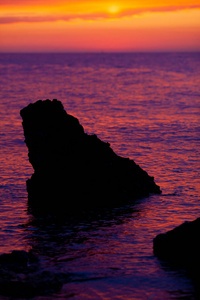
pixel 51 25
pixel 113 9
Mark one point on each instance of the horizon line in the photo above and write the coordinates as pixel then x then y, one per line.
pixel 100 51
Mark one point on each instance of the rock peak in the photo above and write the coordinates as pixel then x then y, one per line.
pixel 72 168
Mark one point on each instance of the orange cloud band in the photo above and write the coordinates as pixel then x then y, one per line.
pixel 46 17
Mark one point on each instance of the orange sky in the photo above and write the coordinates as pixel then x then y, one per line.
pixel 121 25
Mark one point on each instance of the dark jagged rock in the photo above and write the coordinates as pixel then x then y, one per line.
pixel 74 169
pixel 181 248
pixel 19 261
pixel 21 276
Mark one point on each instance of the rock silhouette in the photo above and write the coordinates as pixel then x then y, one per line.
pixel 22 276
pixel 74 170
pixel 181 248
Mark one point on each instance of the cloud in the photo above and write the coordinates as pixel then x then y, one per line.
pixel 50 18
pixel 34 17
pixel 172 8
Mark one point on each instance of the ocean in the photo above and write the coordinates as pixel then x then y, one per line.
pixel 146 105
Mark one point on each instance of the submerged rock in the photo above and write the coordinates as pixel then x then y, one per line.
pixel 73 169
pixel 181 248
pixel 19 261
pixel 22 276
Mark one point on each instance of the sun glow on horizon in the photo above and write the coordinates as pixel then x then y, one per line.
pixel 100 25
pixel 113 9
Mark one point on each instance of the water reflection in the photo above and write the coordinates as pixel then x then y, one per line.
pixel 56 232
pixel 117 245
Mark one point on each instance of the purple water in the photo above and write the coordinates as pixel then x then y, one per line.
pixel 147 106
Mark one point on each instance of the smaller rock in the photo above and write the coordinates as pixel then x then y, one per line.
pixel 21 276
pixel 19 261
pixel 181 247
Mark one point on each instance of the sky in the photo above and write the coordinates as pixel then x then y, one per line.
pixel 121 25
